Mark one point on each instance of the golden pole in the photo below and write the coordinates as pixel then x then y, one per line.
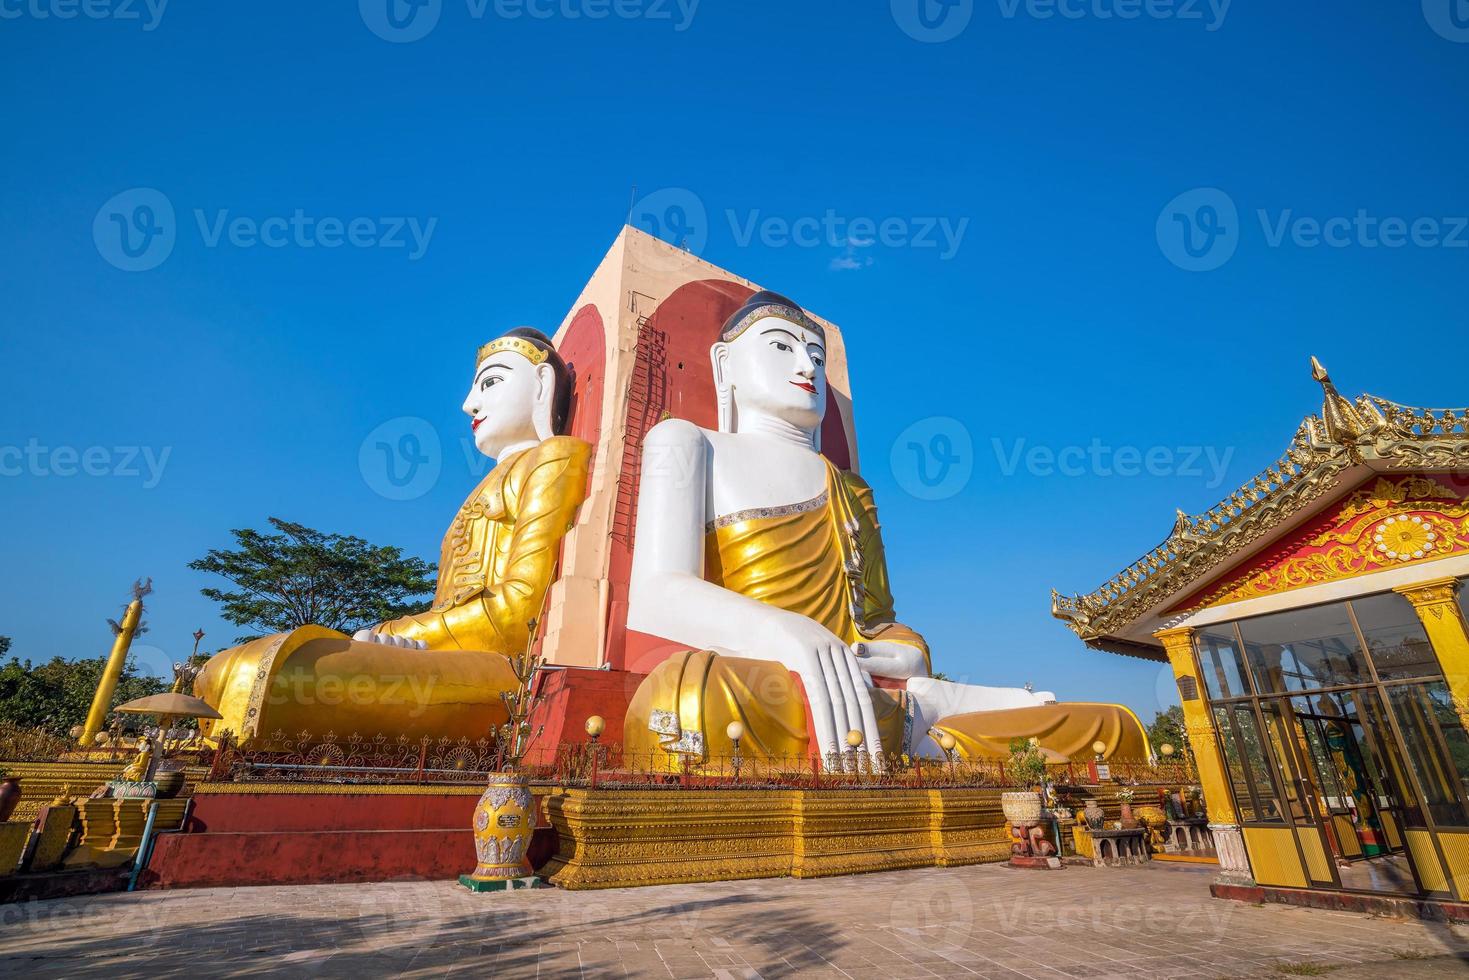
pixel 102 702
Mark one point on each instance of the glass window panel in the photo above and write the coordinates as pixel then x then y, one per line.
pixel 1220 663
pixel 1437 748
pixel 1304 649
pixel 1245 755
pixel 1395 637
pixel 1280 753
pixel 1244 801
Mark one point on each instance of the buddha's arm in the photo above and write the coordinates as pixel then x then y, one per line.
pixel 498 618
pixel 889 651
pixel 668 595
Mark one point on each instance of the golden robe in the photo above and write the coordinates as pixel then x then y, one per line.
pixel 822 559
pixel 497 563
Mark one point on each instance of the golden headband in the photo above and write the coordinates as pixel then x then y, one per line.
pixel 519 345
pixel 780 312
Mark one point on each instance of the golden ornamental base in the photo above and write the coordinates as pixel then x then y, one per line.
pixel 614 838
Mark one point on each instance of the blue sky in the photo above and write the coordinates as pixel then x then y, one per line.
pixel 1067 156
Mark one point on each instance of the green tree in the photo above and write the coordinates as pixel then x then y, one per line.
pixel 1168 728
pixel 302 577
pixel 4 645
pixel 56 695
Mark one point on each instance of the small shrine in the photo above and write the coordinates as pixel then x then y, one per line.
pixel 1315 625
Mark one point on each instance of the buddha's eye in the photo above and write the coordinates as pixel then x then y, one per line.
pixel 491 380
pixel 818 360
pixel 781 346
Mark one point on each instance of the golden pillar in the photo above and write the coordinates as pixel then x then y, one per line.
pixel 1229 842
pixel 1437 604
pixel 102 701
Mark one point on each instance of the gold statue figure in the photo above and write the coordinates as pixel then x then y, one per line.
pixel 438 673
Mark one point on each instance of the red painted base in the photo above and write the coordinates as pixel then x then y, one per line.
pixel 297 839
pixel 1036 863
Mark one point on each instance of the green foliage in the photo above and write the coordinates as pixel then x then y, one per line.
pixel 1027 765
pixel 1168 728
pixel 56 695
pixel 303 577
pixel 4 645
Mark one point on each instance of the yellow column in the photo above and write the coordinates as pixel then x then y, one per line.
pixel 1437 605
pixel 1179 645
pixel 102 701
pixel 1229 840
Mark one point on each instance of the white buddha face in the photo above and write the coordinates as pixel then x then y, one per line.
pixel 503 399
pixel 777 368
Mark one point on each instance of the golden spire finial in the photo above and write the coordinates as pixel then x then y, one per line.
pixel 1344 424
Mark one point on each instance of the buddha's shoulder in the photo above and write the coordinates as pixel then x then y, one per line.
pixel 679 433
pixel 557 449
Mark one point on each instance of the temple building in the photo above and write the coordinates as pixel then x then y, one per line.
pixel 1315 624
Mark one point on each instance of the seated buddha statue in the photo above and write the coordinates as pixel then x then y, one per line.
pixel 768 562
pixel 439 673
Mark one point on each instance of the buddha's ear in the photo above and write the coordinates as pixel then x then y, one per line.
pixel 545 399
pixel 719 358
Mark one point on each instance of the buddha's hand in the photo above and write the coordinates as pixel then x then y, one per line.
pixel 835 686
pixel 889 658
pixel 388 640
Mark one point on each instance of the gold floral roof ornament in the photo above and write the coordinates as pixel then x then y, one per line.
pixel 1369 435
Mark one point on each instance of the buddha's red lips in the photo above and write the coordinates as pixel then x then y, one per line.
pixel 805 386
pixel 474 425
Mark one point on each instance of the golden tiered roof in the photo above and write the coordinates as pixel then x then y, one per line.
pixel 1369 435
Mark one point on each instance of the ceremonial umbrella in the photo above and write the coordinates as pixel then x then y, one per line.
pixel 172 703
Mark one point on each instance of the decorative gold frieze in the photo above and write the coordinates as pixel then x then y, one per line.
pixel 613 838
pixel 1372 431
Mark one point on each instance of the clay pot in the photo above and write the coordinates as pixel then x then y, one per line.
pixel 1021 808
pixel 504 820
pixel 9 796
pixel 1094 815
pixel 169 782
pixel 1128 821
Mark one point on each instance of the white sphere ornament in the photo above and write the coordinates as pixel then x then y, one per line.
pixel 735 731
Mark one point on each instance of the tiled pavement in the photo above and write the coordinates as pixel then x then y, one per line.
pixel 987 921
